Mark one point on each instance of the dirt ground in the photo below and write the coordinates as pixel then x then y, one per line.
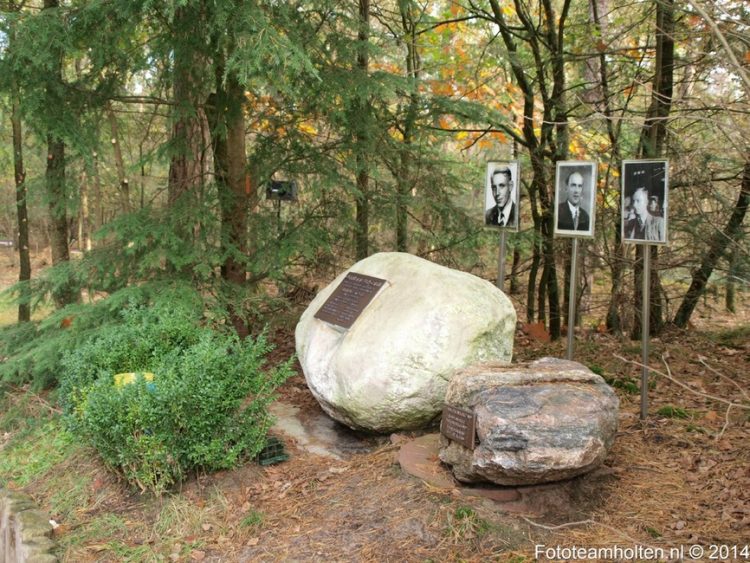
pixel 679 478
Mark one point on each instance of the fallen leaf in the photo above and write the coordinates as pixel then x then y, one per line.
pixel 725 445
pixel 536 331
pixel 198 555
pixel 253 541
pixel 711 416
pixel 206 527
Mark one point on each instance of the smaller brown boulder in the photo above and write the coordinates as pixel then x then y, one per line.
pixel 545 421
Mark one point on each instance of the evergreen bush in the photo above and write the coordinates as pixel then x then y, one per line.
pixel 206 408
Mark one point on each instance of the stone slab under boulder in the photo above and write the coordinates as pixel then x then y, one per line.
pixel 561 500
pixel 389 371
pixel 545 421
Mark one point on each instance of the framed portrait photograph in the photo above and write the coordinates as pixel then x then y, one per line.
pixel 644 201
pixel 501 192
pixel 575 197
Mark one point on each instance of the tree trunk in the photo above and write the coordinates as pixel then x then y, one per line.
pixel 85 225
pixel 230 163
pixel 651 145
pixel 119 162
pixel 404 181
pixel 717 247
pixel 24 254
pixel 553 296
pixel 514 284
pixel 617 254
pixel 98 200
pixel 65 293
pixel 362 137
pixel 531 287
pixel 57 197
pixel 187 167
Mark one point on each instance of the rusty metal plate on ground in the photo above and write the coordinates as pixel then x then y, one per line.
pixel 459 425
pixel 349 299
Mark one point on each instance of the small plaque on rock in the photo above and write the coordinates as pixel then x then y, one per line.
pixel 459 425
pixel 349 299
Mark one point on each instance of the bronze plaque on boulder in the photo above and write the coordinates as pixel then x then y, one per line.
pixel 459 425
pixel 349 299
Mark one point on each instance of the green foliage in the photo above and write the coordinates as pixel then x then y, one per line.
pixel 627 384
pixel 254 519
pixel 670 411
pixel 466 524
pixel 206 407
pixel 32 352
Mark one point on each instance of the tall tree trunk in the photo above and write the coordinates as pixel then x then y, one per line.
pixel 24 254
pixel 651 145
pixel 119 162
pixel 187 166
pixel 228 142
pixel 57 196
pixel 617 254
pixel 404 181
pixel 362 125
pixel 717 247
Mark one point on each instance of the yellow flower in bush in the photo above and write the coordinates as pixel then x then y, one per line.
pixel 122 379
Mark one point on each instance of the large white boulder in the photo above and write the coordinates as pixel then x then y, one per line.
pixel 390 370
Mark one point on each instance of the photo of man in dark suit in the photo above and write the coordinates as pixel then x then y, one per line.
pixel 501 196
pixel 571 216
pixel 574 213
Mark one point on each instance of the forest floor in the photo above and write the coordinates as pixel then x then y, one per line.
pixel 679 478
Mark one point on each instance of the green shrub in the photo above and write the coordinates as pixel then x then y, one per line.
pixel 143 336
pixel 32 352
pixel 206 408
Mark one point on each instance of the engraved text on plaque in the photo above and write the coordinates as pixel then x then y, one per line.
pixel 349 299
pixel 459 425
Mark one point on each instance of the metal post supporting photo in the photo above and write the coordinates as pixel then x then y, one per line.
pixel 572 297
pixel 644 222
pixel 501 261
pixel 645 322
pixel 575 217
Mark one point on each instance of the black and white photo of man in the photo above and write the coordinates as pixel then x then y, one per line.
pixel 644 200
pixel 575 190
pixel 501 208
